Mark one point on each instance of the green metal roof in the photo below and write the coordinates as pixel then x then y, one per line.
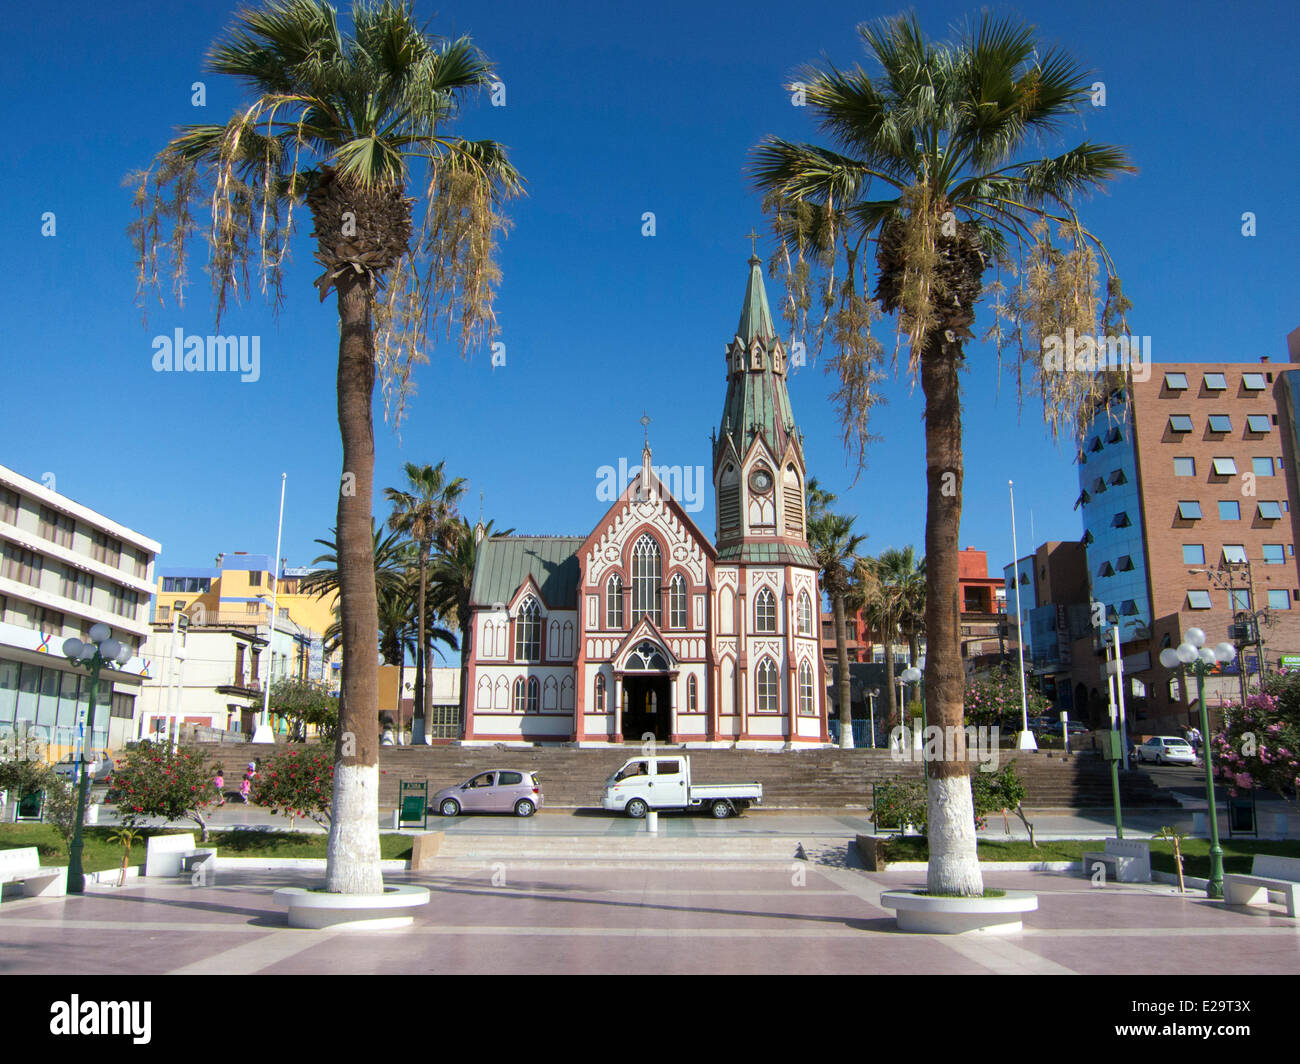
pixel 755 317
pixel 757 402
pixel 768 553
pixel 505 562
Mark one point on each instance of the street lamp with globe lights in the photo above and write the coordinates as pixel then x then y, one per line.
pixel 915 675
pixel 102 650
pixel 1193 651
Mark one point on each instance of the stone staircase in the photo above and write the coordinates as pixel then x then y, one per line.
pixel 809 779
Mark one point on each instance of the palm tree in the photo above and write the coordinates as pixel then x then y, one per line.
pixel 832 540
pixel 340 123
pixel 388 559
pixel 425 513
pixel 903 578
pixel 932 162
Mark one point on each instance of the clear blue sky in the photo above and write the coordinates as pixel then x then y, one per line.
pixel 611 111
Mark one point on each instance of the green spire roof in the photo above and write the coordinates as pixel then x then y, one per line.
pixel 755 318
pixel 757 403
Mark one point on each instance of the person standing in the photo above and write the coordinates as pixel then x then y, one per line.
pixel 219 781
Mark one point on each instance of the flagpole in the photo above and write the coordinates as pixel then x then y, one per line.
pixel 1026 739
pixel 263 733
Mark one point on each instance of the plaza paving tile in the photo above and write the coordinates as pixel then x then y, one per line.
pixel 734 918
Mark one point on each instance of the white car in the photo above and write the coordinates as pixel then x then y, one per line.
pixel 646 783
pixel 1167 750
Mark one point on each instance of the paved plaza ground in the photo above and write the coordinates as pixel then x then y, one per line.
pixel 817 916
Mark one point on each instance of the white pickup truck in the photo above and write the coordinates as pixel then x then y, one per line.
pixel 646 783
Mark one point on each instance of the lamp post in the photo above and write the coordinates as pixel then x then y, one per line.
pixel 102 650
pixel 872 694
pixel 911 676
pixel 1194 652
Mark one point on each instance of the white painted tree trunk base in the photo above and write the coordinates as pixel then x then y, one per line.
pixel 352 858
pixel 954 866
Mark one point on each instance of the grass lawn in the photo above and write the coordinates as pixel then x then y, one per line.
pixel 99 854
pixel 1237 853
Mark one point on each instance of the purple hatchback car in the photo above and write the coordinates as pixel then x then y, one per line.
pixel 498 791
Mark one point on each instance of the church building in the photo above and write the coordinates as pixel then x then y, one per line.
pixel 645 626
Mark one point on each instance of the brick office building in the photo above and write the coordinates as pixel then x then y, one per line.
pixel 1188 497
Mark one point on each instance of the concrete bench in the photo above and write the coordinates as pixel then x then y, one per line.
pixel 23 865
pixel 1125 861
pixel 175 855
pixel 1278 877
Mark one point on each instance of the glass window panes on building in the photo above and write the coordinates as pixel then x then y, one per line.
pixel 1216 382
pixel 1270 511
pixel 1234 552
pixel 1262 467
pixel 1274 554
pixel 1225 467
pixel 1193 554
pixel 1257 422
pixel 1279 599
pixel 1229 510
pixel 1184 467
pixel 1253 382
pixel 1198 600
pixel 1220 423
pixel 1180 423
pixel 1189 510
pixel 1176 381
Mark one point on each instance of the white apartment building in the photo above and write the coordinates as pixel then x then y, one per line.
pixel 64 568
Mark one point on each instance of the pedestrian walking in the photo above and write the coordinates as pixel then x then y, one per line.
pixel 219 781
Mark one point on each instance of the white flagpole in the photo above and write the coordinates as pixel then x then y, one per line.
pixel 1026 738
pixel 263 732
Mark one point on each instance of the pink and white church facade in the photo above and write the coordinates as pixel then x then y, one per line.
pixel 645 627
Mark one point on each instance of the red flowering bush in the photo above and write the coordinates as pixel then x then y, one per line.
pixel 298 783
pixel 155 781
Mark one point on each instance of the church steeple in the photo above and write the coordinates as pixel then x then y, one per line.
pixel 758 463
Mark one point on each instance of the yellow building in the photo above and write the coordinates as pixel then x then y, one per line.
pixel 237 590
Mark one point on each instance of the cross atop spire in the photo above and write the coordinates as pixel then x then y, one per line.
pixel 645 420
pixel 753 243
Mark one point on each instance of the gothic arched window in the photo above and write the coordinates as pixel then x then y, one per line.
pixel 528 632
pixel 765 611
pixel 768 698
pixel 600 692
pixel 805 613
pixel 677 602
pixel 647 577
pixel 533 690
pixel 614 602
pixel 806 702
pixel 519 703
pixel 692 694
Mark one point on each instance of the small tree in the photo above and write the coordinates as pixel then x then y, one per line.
pixel 297 783
pixel 1175 838
pixel 61 805
pixel 305 703
pixel 156 781
pixel 1001 791
pixel 125 837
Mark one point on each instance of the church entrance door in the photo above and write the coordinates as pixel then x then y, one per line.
pixel 649 706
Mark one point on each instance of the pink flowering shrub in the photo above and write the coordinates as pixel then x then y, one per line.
pixel 1257 747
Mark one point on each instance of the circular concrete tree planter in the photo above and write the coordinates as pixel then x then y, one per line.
pixel 954 916
pixel 318 909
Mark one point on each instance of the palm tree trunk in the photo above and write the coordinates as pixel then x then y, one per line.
pixel 953 866
pixel 421 714
pixel 845 692
pixel 353 851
